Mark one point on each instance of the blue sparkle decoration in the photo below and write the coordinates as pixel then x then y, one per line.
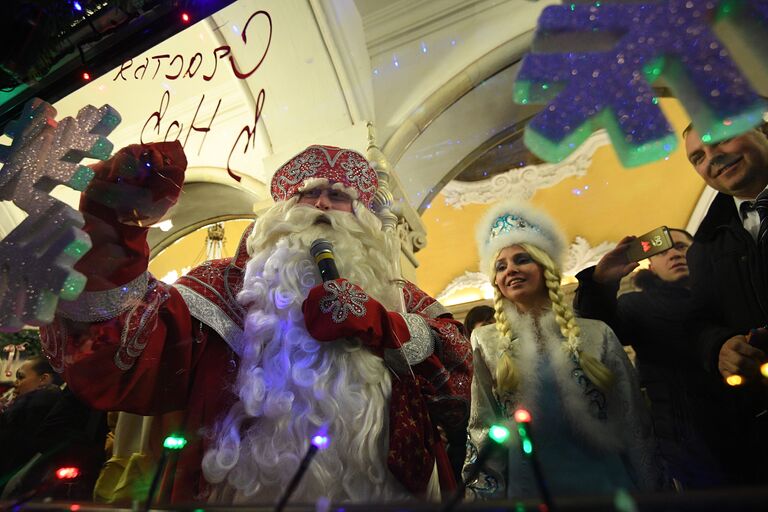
pixel 611 89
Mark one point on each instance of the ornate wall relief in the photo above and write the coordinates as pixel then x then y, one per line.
pixel 523 182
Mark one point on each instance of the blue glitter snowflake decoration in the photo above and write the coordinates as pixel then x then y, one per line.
pixel 611 89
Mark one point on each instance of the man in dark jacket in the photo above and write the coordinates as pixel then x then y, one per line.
pixel 729 282
pixel 651 320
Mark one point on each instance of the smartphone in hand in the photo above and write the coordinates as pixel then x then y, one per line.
pixel 650 244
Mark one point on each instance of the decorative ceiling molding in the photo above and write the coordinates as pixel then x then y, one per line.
pixel 523 182
pixel 403 21
pixel 468 280
pixel 341 28
pixel 452 91
pixel 580 256
pixel 421 117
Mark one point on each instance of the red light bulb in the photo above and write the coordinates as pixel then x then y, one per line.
pixel 86 75
pixel 522 416
pixel 185 17
pixel 67 473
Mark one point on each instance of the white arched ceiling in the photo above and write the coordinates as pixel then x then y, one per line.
pixel 416 46
pixel 415 68
pixel 486 111
pixel 442 78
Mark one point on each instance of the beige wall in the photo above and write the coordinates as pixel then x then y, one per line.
pixel 613 202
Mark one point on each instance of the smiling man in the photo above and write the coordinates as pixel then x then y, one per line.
pixel 729 282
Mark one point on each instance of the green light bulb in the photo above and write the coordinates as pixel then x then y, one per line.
pixel 527 446
pixel 499 433
pixel 174 443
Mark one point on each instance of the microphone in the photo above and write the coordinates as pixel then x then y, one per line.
pixel 322 251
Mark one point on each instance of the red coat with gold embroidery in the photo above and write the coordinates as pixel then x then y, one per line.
pixel 148 348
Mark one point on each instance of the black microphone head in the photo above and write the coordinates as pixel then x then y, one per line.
pixel 319 246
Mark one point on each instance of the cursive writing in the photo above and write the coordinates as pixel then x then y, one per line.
pixel 181 66
pixel 160 125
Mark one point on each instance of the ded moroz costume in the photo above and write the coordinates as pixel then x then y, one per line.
pixel 257 352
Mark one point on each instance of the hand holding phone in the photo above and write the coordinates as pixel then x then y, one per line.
pixel 614 265
pixel 650 244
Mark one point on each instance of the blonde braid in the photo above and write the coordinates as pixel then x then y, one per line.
pixel 506 376
pixel 595 370
pixel 502 324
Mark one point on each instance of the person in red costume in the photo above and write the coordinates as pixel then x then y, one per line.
pixel 258 352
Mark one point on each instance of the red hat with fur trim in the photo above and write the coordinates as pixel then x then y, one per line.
pixel 326 165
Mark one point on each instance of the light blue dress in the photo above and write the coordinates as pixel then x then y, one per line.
pixel 587 442
pixel 571 467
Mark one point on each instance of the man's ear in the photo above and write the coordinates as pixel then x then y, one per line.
pixel 46 378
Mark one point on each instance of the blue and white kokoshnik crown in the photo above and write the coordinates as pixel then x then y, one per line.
pixel 516 222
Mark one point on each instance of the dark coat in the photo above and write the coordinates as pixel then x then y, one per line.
pixel 729 286
pixel 19 423
pixel 728 278
pixel 652 321
pixel 55 424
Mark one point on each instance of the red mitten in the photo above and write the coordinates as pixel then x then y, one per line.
pixel 130 191
pixel 339 309
pixel 139 183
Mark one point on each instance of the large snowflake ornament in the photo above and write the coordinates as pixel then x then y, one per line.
pixel 37 257
pixel 611 89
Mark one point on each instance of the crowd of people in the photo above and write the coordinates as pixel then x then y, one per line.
pixel 257 354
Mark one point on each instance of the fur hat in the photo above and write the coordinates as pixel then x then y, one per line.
pixel 343 169
pixel 515 222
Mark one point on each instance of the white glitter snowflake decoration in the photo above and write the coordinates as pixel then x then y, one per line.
pixel 38 256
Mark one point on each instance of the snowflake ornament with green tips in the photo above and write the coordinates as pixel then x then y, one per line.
pixel 586 91
pixel 38 256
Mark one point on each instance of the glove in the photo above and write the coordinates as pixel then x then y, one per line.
pixel 339 309
pixel 139 184
pixel 130 191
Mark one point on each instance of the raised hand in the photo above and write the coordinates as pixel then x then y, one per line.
pixel 339 309
pixel 614 265
pixel 139 183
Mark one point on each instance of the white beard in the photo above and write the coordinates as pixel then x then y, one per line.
pixel 291 387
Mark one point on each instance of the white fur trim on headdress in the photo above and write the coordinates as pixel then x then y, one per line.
pixel 311 183
pixel 515 222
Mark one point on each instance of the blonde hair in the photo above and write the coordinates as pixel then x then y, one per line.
pixel 506 377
